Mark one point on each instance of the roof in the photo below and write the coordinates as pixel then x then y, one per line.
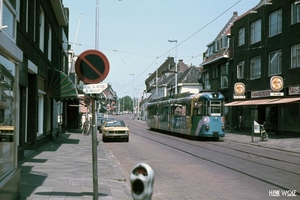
pixel 226 29
pixel 191 75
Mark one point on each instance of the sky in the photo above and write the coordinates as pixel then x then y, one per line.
pixel 134 34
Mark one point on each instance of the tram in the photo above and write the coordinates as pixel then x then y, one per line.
pixel 190 114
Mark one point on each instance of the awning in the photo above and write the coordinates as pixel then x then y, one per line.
pixel 285 100
pixel 60 86
pixel 263 101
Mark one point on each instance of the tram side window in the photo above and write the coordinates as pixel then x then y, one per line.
pixel 179 110
pixel 152 110
pixel 198 108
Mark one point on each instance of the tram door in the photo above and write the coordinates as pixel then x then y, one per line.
pixel 197 114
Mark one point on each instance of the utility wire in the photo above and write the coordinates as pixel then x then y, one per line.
pixel 186 40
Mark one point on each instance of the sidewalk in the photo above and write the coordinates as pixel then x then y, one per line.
pixel 278 142
pixel 63 170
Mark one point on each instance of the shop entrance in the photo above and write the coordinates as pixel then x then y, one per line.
pixel 271 117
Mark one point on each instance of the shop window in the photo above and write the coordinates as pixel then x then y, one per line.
pixel 275 63
pixel 255 67
pixel 7 115
pixel 275 21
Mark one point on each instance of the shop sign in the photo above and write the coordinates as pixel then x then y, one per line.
pixel 276 84
pixel 239 91
pixel 94 88
pixel 294 90
pixel 261 93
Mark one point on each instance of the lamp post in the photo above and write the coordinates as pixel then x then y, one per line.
pixel 175 63
pixel 133 94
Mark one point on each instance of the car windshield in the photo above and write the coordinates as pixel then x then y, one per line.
pixel 115 124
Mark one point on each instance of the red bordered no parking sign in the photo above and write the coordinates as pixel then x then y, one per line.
pixel 92 66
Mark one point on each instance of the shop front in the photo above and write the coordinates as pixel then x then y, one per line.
pixel 9 172
pixel 281 114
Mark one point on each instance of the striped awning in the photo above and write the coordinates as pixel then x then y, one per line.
pixel 264 101
pixel 60 86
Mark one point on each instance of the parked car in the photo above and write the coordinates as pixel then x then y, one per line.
pixel 100 120
pixel 103 120
pixel 115 129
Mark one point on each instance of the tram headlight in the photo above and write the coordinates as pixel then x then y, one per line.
pixel 207 127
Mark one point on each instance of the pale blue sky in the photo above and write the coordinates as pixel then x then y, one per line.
pixel 134 34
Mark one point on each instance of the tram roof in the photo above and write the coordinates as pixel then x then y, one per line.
pixel 189 96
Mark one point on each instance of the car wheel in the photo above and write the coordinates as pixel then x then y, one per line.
pixel 103 139
pixel 127 139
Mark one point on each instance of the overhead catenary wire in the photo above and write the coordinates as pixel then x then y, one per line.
pixel 195 33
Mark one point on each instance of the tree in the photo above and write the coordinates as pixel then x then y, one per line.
pixel 126 103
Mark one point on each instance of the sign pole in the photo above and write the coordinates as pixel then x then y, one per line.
pixel 94 151
pixel 252 132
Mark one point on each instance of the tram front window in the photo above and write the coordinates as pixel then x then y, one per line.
pixel 215 108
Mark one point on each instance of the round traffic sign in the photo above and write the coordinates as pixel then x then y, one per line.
pixel 92 66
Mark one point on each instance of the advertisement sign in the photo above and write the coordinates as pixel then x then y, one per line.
pixel 239 91
pixel 276 84
pixel 256 127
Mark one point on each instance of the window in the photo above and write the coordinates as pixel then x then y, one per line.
pixel 275 62
pixel 240 70
pixel 206 81
pixel 210 50
pixel 34 20
pixel 295 56
pixel 241 37
pixel 275 23
pixel 255 31
pixel 42 29
pixel 255 67
pixel 50 43
pixel 215 73
pixel 9 17
pixel 295 12
pixel 225 42
pixel 224 76
pixel 7 115
pixel 27 14
pixel 215 108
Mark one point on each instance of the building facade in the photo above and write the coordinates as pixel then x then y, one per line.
pixel 34 66
pixel 167 79
pixel 263 67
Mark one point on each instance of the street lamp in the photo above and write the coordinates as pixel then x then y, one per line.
pixel 133 94
pixel 175 64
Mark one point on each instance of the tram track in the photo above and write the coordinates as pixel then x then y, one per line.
pixel 236 155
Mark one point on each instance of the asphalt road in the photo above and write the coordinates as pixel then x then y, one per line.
pixel 192 169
